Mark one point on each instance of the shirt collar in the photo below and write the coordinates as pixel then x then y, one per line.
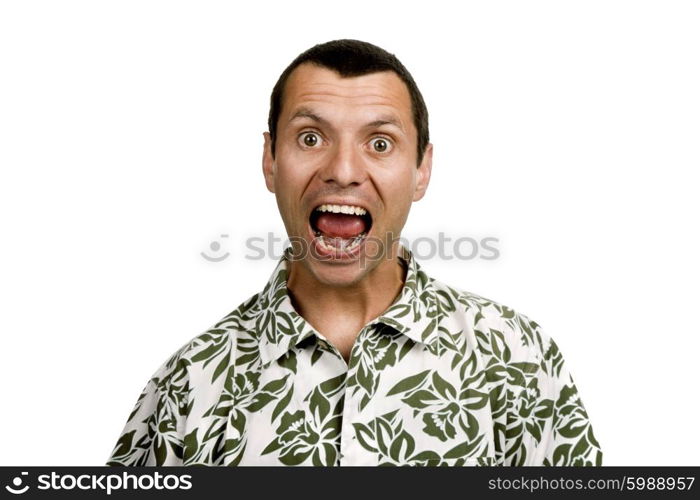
pixel 279 327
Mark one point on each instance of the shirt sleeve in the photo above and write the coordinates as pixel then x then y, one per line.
pixel 546 422
pixel 153 432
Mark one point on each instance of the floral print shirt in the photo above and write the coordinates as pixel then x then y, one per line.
pixel 442 377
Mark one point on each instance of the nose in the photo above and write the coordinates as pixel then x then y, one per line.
pixel 344 166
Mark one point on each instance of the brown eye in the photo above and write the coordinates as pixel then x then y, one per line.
pixel 380 145
pixel 310 139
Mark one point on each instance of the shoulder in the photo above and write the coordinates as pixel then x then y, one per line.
pixel 193 373
pixel 539 417
pixel 500 330
pixel 208 353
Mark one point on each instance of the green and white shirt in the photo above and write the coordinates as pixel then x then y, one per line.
pixel 442 377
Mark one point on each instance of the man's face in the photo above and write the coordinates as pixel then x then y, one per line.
pixel 348 142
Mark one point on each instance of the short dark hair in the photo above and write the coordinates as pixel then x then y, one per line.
pixel 351 58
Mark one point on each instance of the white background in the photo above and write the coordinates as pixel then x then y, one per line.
pixel 131 138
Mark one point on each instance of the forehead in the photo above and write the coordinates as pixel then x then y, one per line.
pixel 314 86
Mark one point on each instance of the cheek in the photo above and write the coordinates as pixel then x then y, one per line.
pixel 290 183
pixel 293 167
pixel 398 196
pixel 290 176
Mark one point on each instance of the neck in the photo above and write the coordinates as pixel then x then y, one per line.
pixel 340 312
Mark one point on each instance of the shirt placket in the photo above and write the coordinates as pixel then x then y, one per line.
pixel 351 451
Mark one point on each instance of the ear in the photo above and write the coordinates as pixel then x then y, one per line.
pixel 268 163
pixel 423 171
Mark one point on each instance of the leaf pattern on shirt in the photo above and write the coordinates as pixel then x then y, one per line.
pixel 371 355
pixel 312 434
pixel 442 377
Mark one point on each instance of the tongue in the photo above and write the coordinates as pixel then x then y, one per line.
pixel 340 225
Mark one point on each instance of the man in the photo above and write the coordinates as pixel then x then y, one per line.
pixel 351 354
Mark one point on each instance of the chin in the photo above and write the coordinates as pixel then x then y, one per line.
pixel 333 274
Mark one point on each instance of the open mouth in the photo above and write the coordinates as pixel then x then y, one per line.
pixel 340 228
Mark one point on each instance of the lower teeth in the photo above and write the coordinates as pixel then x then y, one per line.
pixel 340 243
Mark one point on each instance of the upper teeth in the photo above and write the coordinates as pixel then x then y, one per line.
pixel 342 209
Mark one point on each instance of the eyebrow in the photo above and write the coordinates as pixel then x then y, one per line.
pixel 381 120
